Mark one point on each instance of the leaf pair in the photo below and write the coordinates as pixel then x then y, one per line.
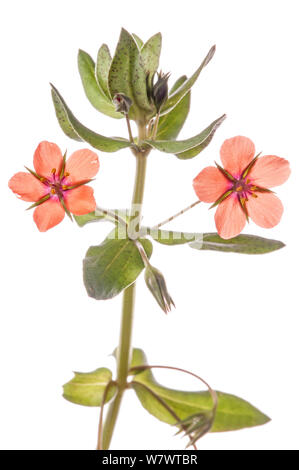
pixel 232 412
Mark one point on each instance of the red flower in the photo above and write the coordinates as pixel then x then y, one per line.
pixel 241 188
pixel 57 186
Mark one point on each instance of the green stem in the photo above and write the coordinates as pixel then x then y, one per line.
pixel 124 347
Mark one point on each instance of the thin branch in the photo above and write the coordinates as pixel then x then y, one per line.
pixel 155 128
pixel 129 129
pixel 113 215
pixel 176 215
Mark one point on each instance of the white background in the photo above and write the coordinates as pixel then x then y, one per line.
pixel 236 321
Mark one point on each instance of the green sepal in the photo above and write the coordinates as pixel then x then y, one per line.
pixel 232 412
pixel 87 388
pixel 99 142
pixel 179 147
pixel 114 265
pixel 39 202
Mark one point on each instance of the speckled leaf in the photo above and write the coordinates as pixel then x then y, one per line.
pixel 232 412
pixel 87 388
pixel 99 142
pixel 92 89
pixel 127 75
pixel 150 53
pixel 63 119
pixel 175 97
pixel 112 266
pixel 178 146
pixel 102 69
pixel 171 123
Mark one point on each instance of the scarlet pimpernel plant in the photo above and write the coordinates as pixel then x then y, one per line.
pixel 130 86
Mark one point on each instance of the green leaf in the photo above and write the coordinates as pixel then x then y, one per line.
pixel 62 117
pixel 176 96
pixel 99 142
pixel 139 41
pixel 98 216
pixel 92 89
pixel 102 70
pixel 171 123
pixel 232 412
pixel 127 75
pixel 150 53
pixel 178 146
pixel 246 244
pixel 112 266
pixel 88 388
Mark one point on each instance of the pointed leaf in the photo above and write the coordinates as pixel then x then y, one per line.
pixel 171 123
pixel 178 146
pixel 106 144
pixel 92 89
pixel 175 97
pixel 127 75
pixel 112 266
pixel 102 69
pixel 232 412
pixel 150 53
pixel 191 153
pixel 246 244
pixel 63 119
pixel 88 388
pixel 139 41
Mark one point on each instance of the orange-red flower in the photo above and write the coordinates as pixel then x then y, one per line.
pixel 57 186
pixel 241 187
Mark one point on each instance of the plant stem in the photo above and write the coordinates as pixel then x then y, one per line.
pixel 124 347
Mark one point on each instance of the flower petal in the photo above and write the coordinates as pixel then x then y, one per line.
pixel 230 218
pixel 80 201
pixel 270 171
pixel 82 165
pixel 210 184
pixel 265 210
pixel 27 187
pixel 48 214
pixel 236 153
pixel 46 157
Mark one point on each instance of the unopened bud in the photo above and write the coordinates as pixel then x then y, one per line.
pixel 160 90
pixel 122 103
pixel 156 283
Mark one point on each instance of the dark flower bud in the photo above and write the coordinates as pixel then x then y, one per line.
pixel 160 90
pixel 122 103
pixel 156 283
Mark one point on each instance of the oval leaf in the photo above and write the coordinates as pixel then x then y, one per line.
pixel 232 413
pixel 62 118
pixel 92 89
pixel 98 216
pixel 127 75
pixel 171 123
pixel 176 96
pixel 112 266
pixel 88 388
pixel 99 142
pixel 178 146
pixel 102 70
